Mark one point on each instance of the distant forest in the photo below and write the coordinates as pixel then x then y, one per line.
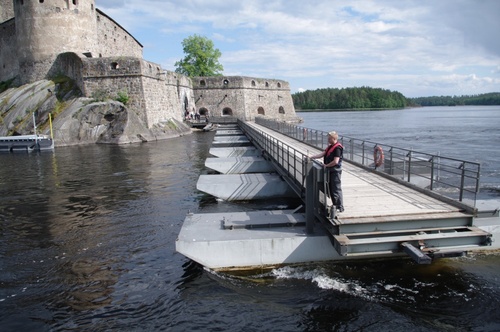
pixel 348 98
pixel 376 98
pixel 483 99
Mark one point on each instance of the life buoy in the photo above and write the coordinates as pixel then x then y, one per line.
pixel 378 156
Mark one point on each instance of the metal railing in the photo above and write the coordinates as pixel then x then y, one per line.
pixel 452 178
pixel 307 178
pixel 287 160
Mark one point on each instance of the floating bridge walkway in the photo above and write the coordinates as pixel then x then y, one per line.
pixel 387 213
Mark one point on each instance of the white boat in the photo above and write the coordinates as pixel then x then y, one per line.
pixel 26 143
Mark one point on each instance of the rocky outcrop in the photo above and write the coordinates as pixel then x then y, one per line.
pixel 76 120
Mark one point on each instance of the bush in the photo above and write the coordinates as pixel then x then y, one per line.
pixel 122 97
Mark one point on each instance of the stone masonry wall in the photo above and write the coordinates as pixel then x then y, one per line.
pixel 153 93
pixel 6 10
pixel 244 97
pixel 9 67
pixel 114 40
pixel 45 29
pixel 160 93
pixel 105 77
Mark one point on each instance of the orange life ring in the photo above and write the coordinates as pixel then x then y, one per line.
pixel 378 156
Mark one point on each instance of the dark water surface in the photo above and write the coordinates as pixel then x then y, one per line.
pixel 87 243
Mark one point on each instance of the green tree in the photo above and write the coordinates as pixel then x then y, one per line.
pixel 201 59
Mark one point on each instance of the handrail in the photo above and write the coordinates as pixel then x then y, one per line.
pixel 287 160
pixel 449 177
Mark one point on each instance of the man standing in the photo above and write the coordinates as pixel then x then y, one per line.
pixel 332 160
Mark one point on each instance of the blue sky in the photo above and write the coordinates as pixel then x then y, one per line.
pixel 417 47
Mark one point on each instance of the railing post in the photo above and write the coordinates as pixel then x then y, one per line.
pixel 432 173
pixel 391 161
pixel 363 153
pixel 310 197
pixel 462 181
pixel 409 165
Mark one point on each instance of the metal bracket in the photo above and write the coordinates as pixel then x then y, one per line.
pixel 417 255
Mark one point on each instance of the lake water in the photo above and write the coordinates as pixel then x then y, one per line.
pixel 87 243
pixel 469 133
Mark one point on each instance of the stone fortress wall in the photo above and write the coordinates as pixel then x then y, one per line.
pixel 244 97
pixel 114 40
pixel 6 10
pixel 9 66
pixel 47 38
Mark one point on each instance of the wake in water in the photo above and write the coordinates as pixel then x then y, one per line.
pixel 391 282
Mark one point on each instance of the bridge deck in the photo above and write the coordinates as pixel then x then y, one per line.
pixel 382 218
pixel 370 198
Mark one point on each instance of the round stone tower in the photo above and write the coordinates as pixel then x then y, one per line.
pixel 6 10
pixel 46 28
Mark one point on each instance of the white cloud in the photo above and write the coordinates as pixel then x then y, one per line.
pixel 415 47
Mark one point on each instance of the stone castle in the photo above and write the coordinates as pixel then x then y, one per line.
pixel 44 39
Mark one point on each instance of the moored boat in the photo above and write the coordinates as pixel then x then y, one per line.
pixel 26 143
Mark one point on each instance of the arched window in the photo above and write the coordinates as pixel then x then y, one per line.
pixel 281 110
pixel 279 85
pixel 267 84
pixel 203 83
pixel 203 111
pixel 227 111
pixel 261 111
pixel 253 83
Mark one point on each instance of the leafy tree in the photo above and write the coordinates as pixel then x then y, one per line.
pixel 201 59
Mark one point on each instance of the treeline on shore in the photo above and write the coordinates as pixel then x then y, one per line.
pixel 376 98
pixel 482 99
pixel 348 98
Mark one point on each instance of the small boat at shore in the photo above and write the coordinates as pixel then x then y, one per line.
pixel 26 143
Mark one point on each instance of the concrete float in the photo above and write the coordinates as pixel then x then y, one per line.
pixel 230 141
pixel 250 240
pixel 242 187
pixel 238 165
pixel 237 151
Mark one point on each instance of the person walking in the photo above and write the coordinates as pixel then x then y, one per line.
pixel 332 160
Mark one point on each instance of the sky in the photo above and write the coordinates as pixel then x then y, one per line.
pixel 417 47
